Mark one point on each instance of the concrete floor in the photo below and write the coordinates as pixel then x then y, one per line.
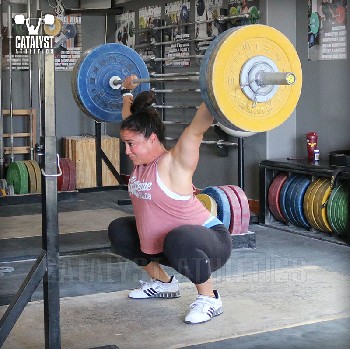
pixel 292 291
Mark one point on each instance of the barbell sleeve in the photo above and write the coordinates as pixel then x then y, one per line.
pixel 275 78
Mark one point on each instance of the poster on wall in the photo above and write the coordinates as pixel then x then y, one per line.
pixel 205 30
pixel 327 29
pixel 247 12
pixel 125 25
pixel 177 15
pixel 67 41
pixel 149 17
pixel 19 57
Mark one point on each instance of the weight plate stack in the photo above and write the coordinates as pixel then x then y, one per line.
pixel 209 203
pixel 309 199
pixel 283 196
pixel 17 175
pixel 63 180
pixel 31 176
pixel 338 210
pixel 235 209
pixel 274 194
pixel 220 76
pixel 245 210
pixel 37 172
pixel 321 197
pixel 297 207
pixel 224 211
pixel 318 207
pixel 290 199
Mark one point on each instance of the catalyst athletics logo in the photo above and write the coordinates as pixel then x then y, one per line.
pixel 34 43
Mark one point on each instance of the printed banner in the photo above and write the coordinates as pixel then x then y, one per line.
pixel 67 43
pixel 327 30
pixel 177 15
pixel 149 17
pixel 125 25
pixel 205 30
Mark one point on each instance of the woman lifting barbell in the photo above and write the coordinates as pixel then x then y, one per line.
pixel 171 226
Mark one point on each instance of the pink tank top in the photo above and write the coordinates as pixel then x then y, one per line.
pixel 156 212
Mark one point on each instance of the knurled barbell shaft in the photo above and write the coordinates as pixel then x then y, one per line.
pixel 273 78
pixel 170 78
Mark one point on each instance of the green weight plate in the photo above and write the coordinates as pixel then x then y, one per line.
pixel 336 211
pixel 314 23
pixel 331 210
pixel 343 209
pixel 342 213
pixel 31 176
pixel 17 175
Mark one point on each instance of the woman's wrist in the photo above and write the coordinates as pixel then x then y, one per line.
pixel 125 91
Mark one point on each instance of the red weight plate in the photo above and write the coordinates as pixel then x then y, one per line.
pixel 235 207
pixel 245 211
pixel 274 194
pixel 72 175
pixel 63 180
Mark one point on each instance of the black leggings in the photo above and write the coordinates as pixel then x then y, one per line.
pixel 192 250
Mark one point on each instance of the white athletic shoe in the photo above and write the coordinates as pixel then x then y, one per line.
pixel 204 308
pixel 157 289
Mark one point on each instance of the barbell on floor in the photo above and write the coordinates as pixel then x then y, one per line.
pixel 250 78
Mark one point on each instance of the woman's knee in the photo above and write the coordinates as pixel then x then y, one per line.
pixel 122 231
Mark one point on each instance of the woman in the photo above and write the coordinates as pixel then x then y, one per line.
pixel 171 227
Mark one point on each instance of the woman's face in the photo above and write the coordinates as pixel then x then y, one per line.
pixel 138 148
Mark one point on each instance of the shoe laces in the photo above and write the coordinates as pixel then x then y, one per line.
pixel 145 284
pixel 201 303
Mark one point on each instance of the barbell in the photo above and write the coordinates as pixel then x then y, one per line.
pixel 250 78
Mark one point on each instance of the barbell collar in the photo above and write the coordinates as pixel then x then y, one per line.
pixel 275 78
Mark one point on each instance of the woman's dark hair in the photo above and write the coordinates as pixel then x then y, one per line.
pixel 143 100
pixel 144 118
